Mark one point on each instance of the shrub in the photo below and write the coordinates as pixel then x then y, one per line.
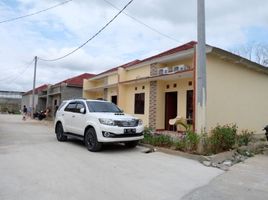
pixel 188 143
pixel 222 138
pixel 244 138
pixel 156 140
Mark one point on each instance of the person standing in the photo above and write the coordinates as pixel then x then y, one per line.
pixel 24 112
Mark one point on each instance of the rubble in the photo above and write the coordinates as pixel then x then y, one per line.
pixel 227 159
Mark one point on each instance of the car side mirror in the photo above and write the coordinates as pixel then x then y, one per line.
pixel 82 110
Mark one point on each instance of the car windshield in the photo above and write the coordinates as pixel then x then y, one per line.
pixel 102 106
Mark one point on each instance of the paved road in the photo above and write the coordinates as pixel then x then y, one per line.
pixel 33 165
pixel 244 181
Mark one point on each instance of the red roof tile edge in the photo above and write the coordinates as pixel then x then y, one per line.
pixel 183 47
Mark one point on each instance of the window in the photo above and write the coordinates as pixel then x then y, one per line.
pixel 71 107
pixel 114 99
pixel 79 105
pixel 102 106
pixel 61 105
pixel 55 102
pixel 139 103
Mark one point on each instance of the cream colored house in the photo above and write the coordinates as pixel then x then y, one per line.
pixel 162 87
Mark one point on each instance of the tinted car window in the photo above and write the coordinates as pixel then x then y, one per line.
pixel 97 106
pixel 71 107
pixel 79 105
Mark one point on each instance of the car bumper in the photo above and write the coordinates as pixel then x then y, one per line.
pixel 117 134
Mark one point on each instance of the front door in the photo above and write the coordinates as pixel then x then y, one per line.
pixel 170 108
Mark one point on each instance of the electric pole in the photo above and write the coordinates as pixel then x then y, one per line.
pixel 33 92
pixel 201 92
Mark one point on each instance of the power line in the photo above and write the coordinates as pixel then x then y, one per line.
pixel 139 21
pixel 55 59
pixel 12 78
pixel 34 13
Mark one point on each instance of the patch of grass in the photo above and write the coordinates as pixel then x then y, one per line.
pixel 244 138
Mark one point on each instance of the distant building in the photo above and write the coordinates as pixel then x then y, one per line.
pixel 27 96
pixel 52 96
pixel 10 101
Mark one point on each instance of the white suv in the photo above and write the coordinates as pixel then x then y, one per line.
pixel 96 122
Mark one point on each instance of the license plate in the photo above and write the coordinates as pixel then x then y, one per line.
pixel 130 130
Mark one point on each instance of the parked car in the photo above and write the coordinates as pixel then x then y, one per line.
pixel 96 122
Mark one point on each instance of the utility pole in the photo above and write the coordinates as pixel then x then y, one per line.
pixel 201 93
pixel 33 92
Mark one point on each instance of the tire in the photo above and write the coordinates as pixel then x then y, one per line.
pixel 60 133
pixel 91 140
pixel 131 144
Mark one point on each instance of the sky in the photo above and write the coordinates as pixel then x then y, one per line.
pixel 51 34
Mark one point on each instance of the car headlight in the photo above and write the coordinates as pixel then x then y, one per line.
pixel 108 122
pixel 140 122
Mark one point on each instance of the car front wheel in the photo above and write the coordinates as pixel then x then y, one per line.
pixel 91 140
pixel 60 133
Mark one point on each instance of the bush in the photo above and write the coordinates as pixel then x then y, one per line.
pixel 222 138
pixel 189 142
pixel 244 138
pixel 156 140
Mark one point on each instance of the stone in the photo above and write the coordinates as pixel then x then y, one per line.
pixel 207 163
pixel 223 167
pixel 227 163
pixel 221 157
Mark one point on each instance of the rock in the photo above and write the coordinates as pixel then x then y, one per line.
pixel 223 167
pixel 207 163
pixel 265 152
pixel 227 163
pixel 221 157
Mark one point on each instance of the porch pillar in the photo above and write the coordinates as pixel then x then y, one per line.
pixel 152 104
pixel 152 97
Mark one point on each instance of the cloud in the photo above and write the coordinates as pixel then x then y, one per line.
pixel 53 33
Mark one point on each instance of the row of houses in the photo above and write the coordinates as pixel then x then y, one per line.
pixel 163 86
pixel 51 95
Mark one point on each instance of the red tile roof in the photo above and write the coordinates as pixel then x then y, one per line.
pixel 38 89
pixel 77 80
pixel 184 47
pixel 124 66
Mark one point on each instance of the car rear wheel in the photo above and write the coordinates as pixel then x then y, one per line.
pixel 91 140
pixel 131 144
pixel 60 133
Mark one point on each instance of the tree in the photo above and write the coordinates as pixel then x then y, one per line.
pixel 255 52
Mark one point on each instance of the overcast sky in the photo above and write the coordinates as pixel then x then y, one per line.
pixel 230 23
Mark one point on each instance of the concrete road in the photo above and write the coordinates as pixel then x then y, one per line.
pixel 244 181
pixel 34 165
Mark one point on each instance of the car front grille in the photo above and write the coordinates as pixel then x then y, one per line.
pixel 127 123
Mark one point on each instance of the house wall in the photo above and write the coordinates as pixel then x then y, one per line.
pixel 236 94
pixel 129 100
pixel 27 100
pixel 137 73
pixel 111 92
pixel 112 79
pixel 68 92
pixel 182 85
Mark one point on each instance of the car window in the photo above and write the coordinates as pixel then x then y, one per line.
pixel 61 105
pixel 102 106
pixel 79 105
pixel 71 107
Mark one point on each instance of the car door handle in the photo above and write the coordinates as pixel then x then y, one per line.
pixel 62 114
pixel 73 116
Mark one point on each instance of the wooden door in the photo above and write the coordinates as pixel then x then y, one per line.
pixel 171 102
